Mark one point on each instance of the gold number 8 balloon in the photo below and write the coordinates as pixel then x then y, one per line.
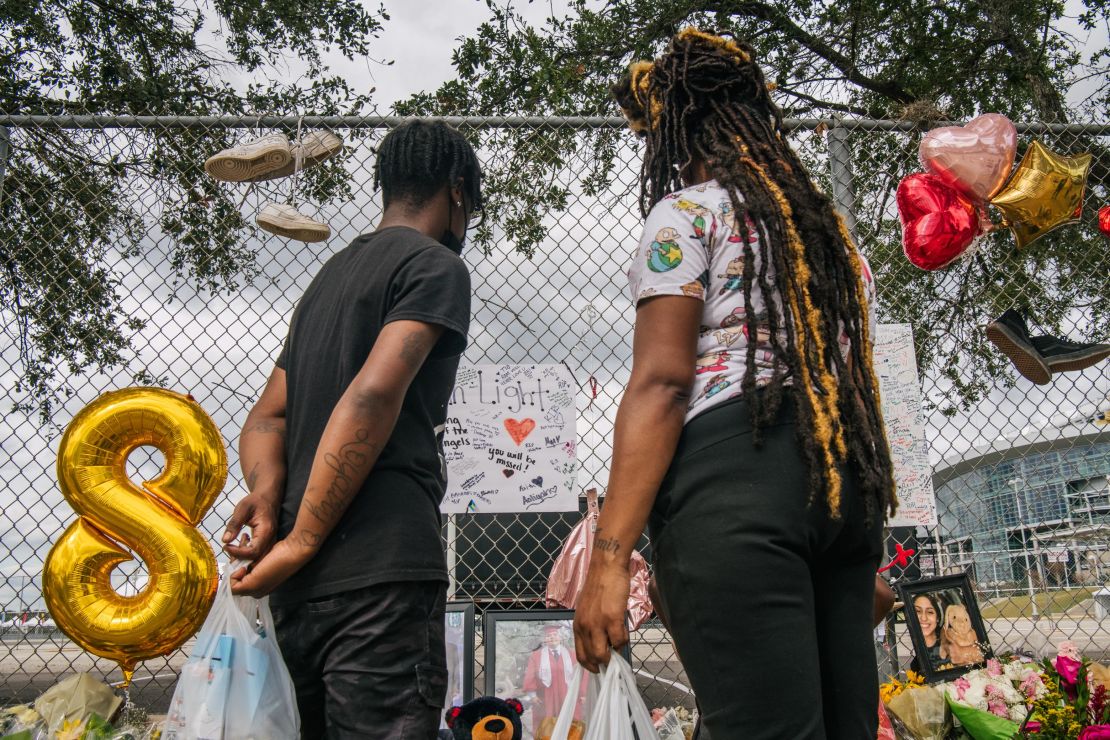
pixel 157 521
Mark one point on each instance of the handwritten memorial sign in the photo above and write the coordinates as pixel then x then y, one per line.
pixel 509 440
pixel 896 366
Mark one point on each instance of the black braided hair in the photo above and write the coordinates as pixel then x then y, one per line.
pixel 416 159
pixel 705 99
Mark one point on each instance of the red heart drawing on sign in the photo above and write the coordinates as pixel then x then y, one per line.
pixel 519 430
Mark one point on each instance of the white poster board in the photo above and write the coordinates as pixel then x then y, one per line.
pixel 509 441
pixel 896 366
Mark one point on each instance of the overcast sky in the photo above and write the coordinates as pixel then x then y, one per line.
pixel 422 34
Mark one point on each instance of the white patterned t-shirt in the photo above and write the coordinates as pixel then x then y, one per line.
pixel 692 245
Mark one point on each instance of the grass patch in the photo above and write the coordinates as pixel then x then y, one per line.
pixel 1048 602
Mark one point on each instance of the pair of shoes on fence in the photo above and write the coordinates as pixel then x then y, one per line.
pixel 271 157
pixel 1038 357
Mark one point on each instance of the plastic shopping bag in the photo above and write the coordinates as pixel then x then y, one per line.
pixel 614 712
pixel 235 685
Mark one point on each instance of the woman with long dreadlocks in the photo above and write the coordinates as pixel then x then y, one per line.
pixel 766 479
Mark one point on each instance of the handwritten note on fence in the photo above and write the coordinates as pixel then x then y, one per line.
pixel 896 366
pixel 509 441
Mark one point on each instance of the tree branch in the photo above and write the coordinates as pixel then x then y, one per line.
pixel 842 107
pixel 782 22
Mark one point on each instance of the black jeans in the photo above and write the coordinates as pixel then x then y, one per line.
pixel 368 663
pixel 769 600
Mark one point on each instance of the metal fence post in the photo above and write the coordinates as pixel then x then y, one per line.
pixel 840 169
pixel 5 137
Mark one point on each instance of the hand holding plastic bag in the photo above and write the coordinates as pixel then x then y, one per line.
pixel 235 685
pixel 617 712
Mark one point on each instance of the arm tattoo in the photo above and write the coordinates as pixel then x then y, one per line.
pixel 310 539
pixel 265 426
pixel 413 349
pixel 252 477
pixel 611 544
pixel 348 464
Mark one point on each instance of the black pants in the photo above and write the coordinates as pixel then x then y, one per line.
pixel 768 599
pixel 368 663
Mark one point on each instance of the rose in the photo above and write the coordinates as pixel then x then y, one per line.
pixel 1095 732
pixel 1032 727
pixel 962 685
pixel 1068 668
pixel 994 667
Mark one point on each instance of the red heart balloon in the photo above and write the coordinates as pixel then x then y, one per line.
pixel 1104 221
pixel 938 221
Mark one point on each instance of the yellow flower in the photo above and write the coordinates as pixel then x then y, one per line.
pixel 72 729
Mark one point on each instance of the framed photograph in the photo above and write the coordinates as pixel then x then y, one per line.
pixel 943 619
pixel 530 656
pixel 459 634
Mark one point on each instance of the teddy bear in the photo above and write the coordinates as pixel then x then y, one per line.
pixel 485 718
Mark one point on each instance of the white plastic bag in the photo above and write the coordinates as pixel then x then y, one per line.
pixel 617 713
pixel 235 685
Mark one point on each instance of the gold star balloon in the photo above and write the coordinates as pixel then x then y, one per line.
pixel 1045 192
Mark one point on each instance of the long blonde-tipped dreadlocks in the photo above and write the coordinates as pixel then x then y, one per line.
pixel 706 99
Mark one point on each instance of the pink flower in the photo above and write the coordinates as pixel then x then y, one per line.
pixel 1068 649
pixel 1068 668
pixel 1031 685
pixel 994 667
pixel 1032 727
pixel 962 685
pixel 1095 732
pixel 996 703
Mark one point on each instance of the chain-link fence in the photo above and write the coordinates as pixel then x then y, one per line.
pixel 124 263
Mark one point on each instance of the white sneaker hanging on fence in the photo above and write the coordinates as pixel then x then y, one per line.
pixel 251 160
pixel 314 147
pixel 285 220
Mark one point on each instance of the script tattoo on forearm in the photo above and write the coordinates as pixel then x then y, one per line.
pixel 348 464
pixel 611 544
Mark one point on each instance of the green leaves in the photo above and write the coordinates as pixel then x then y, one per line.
pixel 72 203
pixel 914 59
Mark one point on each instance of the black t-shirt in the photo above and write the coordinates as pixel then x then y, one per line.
pixel 391 532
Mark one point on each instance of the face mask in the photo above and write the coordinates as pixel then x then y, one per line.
pixel 449 240
pixel 452 242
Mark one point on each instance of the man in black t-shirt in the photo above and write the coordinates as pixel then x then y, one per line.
pixel 342 455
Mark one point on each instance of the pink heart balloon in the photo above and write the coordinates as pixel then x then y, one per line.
pixel 976 158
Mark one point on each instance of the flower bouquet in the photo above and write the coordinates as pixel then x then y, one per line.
pixel 1075 705
pixel 915 711
pixel 993 702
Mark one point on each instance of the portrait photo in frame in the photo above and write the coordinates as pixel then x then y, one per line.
pixel 459 637
pixel 530 656
pixel 947 630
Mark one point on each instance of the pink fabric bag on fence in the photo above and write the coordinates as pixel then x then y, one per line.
pixel 568 574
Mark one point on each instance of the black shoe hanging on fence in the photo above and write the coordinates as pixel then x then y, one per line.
pixel 1062 355
pixel 1011 335
pixel 1037 358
